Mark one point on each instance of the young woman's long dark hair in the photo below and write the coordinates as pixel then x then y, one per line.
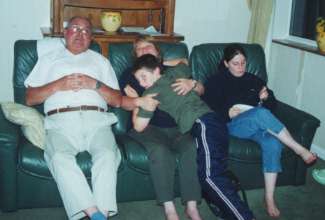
pixel 229 52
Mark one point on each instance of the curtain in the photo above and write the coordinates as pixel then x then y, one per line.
pixel 261 11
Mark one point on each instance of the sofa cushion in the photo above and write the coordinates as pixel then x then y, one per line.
pixel 247 151
pixel 121 54
pixel 31 161
pixel 31 121
pixel 135 154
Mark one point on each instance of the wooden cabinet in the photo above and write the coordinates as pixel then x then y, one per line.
pixel 135 13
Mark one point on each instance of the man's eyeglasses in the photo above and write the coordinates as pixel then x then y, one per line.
pixel 78 29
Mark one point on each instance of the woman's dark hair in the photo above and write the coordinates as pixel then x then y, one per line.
pixel 147 61
pixel 229 52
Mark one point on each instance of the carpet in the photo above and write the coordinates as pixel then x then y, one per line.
pixel 305 202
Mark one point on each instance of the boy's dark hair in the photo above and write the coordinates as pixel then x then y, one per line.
pixel 147 61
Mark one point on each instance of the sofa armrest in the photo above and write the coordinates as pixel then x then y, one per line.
pixel 9 139
pixel 301 124
pixel 124 121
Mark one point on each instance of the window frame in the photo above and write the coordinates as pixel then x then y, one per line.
pixel 281 24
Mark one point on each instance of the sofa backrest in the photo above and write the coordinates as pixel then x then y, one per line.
pixel 120 56
pixel 205 59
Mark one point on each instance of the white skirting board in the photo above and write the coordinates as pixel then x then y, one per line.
pixel 320 151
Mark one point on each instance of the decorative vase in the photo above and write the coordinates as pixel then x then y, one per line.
pixel 320 39
pixel 110 20
pixel 320 34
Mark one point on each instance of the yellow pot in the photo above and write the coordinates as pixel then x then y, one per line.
pixel 320 25
pixel 320 39
pixel 111 21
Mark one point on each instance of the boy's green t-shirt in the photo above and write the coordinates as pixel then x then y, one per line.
pixel 184 109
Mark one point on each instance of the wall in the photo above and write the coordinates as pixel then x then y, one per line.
pixel 199 21
pixel 297 76
pixel 298 79
pixel 207 21
pixel 18 20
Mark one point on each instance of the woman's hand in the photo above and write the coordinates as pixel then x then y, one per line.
pixel 175 62
pixel 233 112
pixel 263 94
pixel 183 86
pixel 148 102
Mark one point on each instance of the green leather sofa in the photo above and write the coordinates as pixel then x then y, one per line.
pixel 25 181
pixel 245 156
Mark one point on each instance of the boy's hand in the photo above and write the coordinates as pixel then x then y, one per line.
pixel 129 91
pixel 148 102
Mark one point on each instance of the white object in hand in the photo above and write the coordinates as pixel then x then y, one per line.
pixel 243 107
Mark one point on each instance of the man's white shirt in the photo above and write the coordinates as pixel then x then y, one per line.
pixel 60 63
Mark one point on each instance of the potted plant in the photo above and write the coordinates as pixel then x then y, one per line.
pixel 320 34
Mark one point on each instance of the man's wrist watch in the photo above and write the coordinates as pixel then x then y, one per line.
pixel 98 84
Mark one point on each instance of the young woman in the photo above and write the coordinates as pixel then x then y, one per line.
pixel 232 86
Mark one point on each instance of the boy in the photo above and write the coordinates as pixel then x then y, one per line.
pixel 192 115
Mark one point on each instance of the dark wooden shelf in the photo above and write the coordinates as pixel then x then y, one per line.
pixel 104 39
pixel 134 13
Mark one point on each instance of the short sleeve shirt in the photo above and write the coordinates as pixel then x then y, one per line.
pixel 60 63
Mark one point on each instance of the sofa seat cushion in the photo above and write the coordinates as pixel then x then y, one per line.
pixel 31 161
pixel 135 154
pixel 248 151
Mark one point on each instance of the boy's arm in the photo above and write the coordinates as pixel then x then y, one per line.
pixel 141 118
pixel 139 123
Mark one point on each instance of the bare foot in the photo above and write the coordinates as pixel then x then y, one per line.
pixel 271 208
pixel 308 156
pixel 171 216
pixel 193 214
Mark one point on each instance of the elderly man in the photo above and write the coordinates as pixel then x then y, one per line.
pixel 76 84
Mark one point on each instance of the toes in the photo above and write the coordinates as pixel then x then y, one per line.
pixel 272 209
pixel 273 212
pixel 193 215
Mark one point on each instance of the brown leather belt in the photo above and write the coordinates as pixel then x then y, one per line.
pixel 77 108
